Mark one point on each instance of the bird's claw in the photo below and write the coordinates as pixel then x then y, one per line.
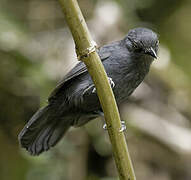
pixel 123 126
pixel 110 82
pixel 94 90
pixel 105 127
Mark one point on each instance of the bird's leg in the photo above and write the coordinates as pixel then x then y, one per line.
pixel 110 82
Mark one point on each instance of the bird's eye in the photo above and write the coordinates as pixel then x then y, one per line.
pixel 139 50
pixel 137 47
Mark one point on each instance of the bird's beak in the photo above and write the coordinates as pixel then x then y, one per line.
pixel 151 52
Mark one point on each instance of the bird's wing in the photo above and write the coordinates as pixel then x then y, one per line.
pixel 79 69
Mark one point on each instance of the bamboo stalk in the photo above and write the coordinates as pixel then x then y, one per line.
pixel 83 42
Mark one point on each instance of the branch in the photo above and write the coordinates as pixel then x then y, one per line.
pixel 85 48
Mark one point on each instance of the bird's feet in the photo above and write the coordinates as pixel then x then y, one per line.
pixel 123 126
pixel 110 82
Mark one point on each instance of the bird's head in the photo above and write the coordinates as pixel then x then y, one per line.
pixel 142 41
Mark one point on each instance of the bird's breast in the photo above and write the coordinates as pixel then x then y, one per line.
pixel 126 84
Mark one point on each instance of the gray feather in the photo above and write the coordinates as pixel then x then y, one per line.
pixel 72 103
pixel 43 131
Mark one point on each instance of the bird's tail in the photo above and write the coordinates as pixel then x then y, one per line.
pixel 43 131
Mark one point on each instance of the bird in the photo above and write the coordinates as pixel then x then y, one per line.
pixel 74 101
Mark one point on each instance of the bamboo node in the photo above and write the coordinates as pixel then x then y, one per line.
pixel 86 52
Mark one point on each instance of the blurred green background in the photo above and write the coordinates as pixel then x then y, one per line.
pixel 37 50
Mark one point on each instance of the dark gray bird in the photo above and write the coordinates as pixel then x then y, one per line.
pixel 74 101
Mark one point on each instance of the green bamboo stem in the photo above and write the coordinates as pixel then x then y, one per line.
pixel 83 41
